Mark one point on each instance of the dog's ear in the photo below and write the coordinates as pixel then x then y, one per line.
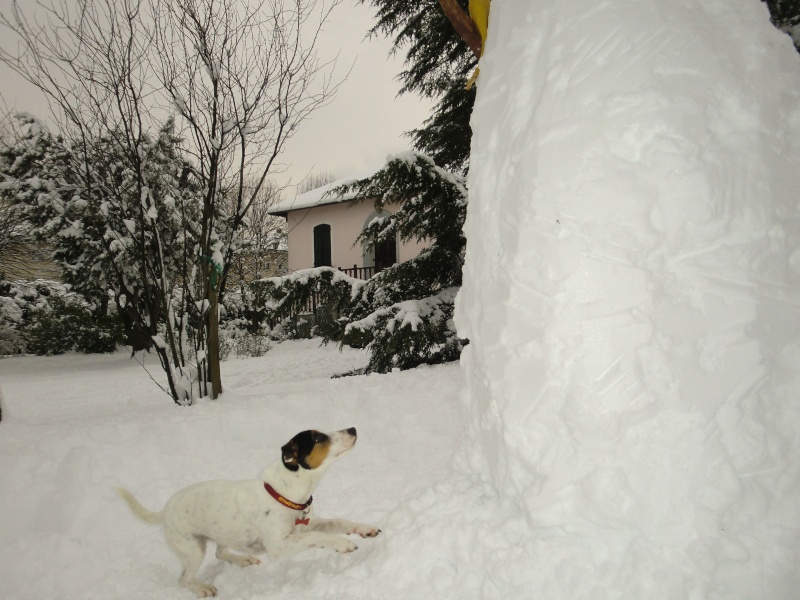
pixel 289 454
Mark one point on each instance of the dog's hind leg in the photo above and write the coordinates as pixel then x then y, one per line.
pixel 243 560
pixel 191 551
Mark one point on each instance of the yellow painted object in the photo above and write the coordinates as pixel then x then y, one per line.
pixel 479 13
pixel 473 78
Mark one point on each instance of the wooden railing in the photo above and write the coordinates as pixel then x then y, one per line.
pixel 314 301
pixel 359 272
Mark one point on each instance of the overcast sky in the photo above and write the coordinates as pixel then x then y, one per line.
pixel 366 121
pixel 356 131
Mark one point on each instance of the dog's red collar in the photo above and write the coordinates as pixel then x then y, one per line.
pixel 285 501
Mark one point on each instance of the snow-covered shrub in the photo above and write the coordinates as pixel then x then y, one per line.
pixel 403 334
pixel 243 329
pixel 20 302
pixel 44 317
pixel 403 315
pixel 10 312
pixel 243 343
pixel 410 333
pixel 124 224
pixel 70 325
pixel 11 342
pixel 288 300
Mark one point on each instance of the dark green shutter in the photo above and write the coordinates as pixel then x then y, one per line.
pixel 322 246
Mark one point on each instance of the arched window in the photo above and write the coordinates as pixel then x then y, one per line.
pixel 322 246
pixel 384 253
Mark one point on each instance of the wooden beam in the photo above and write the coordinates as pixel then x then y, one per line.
pixel 463 25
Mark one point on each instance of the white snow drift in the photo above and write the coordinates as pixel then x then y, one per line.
pixel 632 295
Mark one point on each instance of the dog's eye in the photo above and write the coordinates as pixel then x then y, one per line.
pixel 319 438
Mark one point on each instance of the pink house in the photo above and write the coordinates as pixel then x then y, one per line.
pixel 322 231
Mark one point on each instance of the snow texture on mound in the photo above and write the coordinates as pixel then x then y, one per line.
pixel 632 297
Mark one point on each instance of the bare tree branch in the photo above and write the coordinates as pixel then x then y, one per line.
pixel 242 78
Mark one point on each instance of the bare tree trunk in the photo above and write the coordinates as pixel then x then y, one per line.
pixel 214 373
pixel 242 78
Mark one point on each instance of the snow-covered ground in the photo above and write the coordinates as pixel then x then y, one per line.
pixel 76 426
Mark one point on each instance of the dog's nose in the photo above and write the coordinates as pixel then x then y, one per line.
pixel 352 431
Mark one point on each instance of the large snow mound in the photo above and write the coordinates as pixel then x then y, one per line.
pixel 632 295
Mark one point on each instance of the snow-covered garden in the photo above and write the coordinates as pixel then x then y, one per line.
pixel 625 421
pixel 76 426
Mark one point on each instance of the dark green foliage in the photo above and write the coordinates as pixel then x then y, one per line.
pixel 72 326
pixel 408 334
pixel 785 16
pixel 43 317
pixel 446 134
pixel 400 328
pixel 430 202
pixel 404 313
pixel 282 299
pixel 11 341
pixel 429 273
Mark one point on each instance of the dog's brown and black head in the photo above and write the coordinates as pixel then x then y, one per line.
pixel 314 450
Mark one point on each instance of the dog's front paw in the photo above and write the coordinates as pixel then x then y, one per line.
pixel 247 561
pixel 203 590
pixel 366 531
pixel 343 546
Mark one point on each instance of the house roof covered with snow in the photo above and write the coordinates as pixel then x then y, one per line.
pixel 318 196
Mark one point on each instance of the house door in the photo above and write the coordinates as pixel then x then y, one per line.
pixel 322 246
pixel 382 254
pixel 385 254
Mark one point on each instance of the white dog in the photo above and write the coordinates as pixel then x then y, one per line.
pixel 271 514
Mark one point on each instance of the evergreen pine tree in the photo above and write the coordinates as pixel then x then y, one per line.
pixel 786 17
pixel 438 65
pixel 405 312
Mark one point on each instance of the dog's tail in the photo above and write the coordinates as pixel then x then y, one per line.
pixel 140 511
